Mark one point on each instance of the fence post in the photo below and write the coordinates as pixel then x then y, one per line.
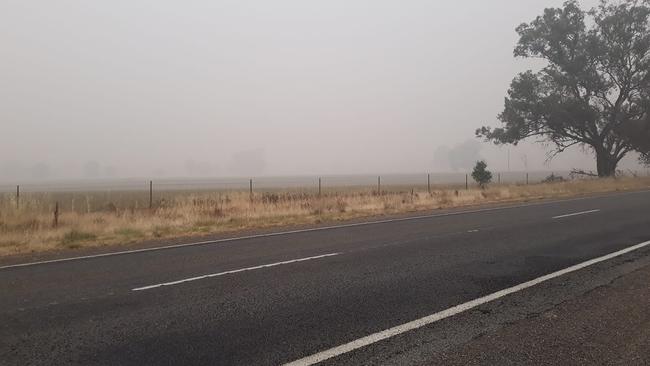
pixel 467 182
pixel 18 197
pixel 379 185
pixel 499 177
pixel 526 178
pixel 56 214
pixel 429 183
pixel 319 187
pixel 150 194
pixel 250 188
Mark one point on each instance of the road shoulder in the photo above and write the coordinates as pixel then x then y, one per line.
pixel 596 316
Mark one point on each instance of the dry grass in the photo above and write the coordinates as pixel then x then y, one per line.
pixel 30 228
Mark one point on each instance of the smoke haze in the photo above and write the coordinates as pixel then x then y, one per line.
pixel 237 88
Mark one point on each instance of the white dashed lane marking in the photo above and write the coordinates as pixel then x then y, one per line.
pixel 576 214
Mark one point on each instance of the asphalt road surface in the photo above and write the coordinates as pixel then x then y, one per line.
pixel 399 291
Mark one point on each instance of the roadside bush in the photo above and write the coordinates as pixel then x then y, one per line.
pixel 481 175
pixel 553 179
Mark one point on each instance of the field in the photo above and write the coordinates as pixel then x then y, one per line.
pixel 99 218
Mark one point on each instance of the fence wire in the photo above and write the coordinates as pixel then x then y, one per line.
pixel 91 196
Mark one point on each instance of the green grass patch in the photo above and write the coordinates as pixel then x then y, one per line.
pixel 72 238
pixel 204 226
pixel 129 233
pixel 202 229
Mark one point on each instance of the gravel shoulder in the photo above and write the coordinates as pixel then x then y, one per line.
pixel 597 316
pixel 609 325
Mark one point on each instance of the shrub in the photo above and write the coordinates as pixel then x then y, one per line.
pixel 553 178
pixel 481 175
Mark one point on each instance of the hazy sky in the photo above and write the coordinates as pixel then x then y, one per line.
pixel 222 88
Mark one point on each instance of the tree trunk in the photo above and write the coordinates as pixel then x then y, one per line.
pixel 606 163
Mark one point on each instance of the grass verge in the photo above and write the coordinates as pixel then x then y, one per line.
pixel 30 229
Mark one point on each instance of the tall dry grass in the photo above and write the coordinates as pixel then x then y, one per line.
pixel 30 228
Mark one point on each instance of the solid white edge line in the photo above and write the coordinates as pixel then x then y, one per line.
pixel 280 233
pixel 576 214
pixel 234 271
pixel 419 323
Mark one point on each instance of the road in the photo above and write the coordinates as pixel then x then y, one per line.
pixel 279 298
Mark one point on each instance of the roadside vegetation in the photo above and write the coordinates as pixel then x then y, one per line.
pixel 31 228
pixel 481 175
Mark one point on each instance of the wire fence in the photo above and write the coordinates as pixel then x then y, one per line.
pixel 91 196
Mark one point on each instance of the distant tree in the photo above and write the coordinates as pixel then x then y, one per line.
pixel 597 80
pixel 481 175
pixel 462 156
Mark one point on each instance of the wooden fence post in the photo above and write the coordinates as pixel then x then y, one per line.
pixel 150 194
pixel 429 183
pixel 18 197
pixel 379 185
pixel 56 214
